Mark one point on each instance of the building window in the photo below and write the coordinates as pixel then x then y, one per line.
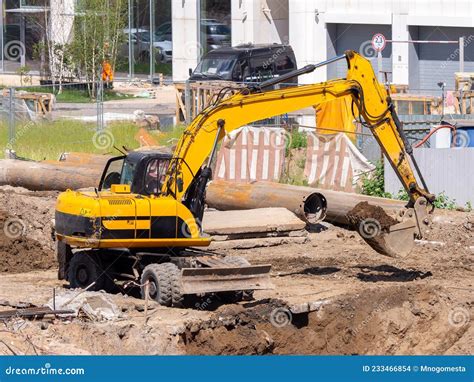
pixel 215 28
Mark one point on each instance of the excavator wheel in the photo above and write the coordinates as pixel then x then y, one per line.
pixel 84 269
pixel 163 284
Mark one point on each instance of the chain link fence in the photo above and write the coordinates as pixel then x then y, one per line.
pixel 42 121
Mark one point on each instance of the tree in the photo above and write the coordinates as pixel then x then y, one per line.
pixel 55 23
pixel 97 35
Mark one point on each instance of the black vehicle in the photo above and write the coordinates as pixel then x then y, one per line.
pixel 246 63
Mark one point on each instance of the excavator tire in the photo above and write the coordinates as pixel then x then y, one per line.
pixel 164 284
pixel 85 268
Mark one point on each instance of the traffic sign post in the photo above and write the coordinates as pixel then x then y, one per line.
pixel 378 43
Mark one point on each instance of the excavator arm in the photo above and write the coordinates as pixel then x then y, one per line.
pixel 188 174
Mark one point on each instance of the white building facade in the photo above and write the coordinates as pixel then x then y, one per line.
pixel 320 29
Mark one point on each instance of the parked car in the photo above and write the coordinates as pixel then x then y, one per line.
pixel 163 32
pixel 246 63
pixel 141 45
pixel 217 34
pixel 163 48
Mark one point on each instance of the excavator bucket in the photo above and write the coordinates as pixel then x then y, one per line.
pixel 383 233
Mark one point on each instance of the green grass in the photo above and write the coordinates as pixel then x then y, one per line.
pixel 48 140
pixel 78 96
pixel 144 68
pixel 170 138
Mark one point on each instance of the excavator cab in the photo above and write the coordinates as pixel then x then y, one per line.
pixel 144 172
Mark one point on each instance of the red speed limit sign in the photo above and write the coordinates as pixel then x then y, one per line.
pixel 379 41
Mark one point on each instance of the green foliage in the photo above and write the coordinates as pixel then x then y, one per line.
pixel 98 34
pixel 445 202
pixel 23 72
pixel 298 140
pixel 373 183
pixel 69 95
pixel 402 195
pixel 294 179
pixel 468 206
pixel 171 137
pixel 442 201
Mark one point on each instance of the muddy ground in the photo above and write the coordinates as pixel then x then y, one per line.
pixel 333 295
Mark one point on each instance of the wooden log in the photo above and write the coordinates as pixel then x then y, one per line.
pixel 224 195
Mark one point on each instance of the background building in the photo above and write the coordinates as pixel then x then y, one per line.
pixel 320 29
pixel 184 30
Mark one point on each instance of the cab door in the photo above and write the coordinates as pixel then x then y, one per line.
pixel 163 209
pixel 124 216
pixel 143 218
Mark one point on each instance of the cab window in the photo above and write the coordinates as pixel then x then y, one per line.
pixel 155 175
pixel 127 173
pixel 241 71
pixel 113 173
pixel 284 63
pixel 262 68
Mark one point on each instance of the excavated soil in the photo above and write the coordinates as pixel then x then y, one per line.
pixel 26 241
pixel 394 321
pixel 364 211
pixel 333 295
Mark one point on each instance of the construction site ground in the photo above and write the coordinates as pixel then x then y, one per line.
pixel 333 295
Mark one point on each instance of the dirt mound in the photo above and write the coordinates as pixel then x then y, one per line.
pixel 26 241
pixel 455 230
pixel 398 320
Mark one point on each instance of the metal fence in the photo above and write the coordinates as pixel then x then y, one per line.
pixel 447 171
pixel 416 127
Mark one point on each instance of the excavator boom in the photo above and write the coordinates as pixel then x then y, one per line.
pixel 187 176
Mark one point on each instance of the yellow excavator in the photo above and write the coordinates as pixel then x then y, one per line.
pixel 143 222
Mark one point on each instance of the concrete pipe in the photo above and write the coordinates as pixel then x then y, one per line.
pixel 38 176
pixel 307 203
pixel 310 204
